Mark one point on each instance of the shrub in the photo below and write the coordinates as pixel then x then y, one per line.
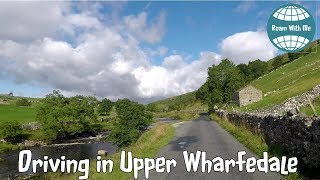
pixel 105 106
pixel 23 102
pixel 10 131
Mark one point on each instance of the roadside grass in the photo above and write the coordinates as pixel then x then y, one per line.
pixel 289 80
pixel 253 141
pixel 11 112
pixel 148 145
pixel 6 147
pixel 308 110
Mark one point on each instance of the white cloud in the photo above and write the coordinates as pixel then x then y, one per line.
pixel 24 21
pixel 245 6
pixel 149 32
pixel 104 60
pixel 247 46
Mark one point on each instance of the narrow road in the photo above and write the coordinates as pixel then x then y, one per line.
pixel 208 136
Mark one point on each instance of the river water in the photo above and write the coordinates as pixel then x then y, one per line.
pixel 76 151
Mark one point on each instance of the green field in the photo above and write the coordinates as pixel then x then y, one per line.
pixel 12 112
pixel 289 80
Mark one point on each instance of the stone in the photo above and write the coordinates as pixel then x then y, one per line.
pixel 102 153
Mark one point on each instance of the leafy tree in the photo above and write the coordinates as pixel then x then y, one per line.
pixel 105 107
pixel 10 130
pixel 256 69
pixel 223 80
pixel 132 120
pixel 62 117
pixel 23 102
pixel 203 93
pixel 277 62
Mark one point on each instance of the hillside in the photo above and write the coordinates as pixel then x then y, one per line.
pixel 289 80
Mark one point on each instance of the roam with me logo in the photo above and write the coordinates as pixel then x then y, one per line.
pixel 291 27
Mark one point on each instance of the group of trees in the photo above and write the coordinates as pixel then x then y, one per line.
pixel 65 116
pixel 62 117
pixel 226 78
pixel 223 80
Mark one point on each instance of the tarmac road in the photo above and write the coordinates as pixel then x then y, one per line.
pixel 208 136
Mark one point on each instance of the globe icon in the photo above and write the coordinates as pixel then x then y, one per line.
pixel 287 25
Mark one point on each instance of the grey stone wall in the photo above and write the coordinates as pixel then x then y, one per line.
pixel 295 102
pixel 300 136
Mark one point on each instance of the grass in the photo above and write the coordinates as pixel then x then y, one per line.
pixel 6 147
pixel 148 145
pixel 189 112
pixel 253 141
pixel 289 80
pixel 308 110
pixel 12 112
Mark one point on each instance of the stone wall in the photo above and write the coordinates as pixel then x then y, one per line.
pixel 295 102
pixel 300 136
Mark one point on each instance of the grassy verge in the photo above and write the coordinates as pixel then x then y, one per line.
pixel 254 142
pixel 148 145
pixel 179 115
pixel 6 147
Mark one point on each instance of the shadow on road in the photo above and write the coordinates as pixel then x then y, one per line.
pixel 183 142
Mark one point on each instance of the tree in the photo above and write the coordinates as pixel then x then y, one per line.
pixel 277 62
pixel 293 56
pixel 105 106
pixel 10 130
pixel 23 102
pixel 132 121
pixel 223 80
pixel 256 69
pixel 202 93
pixel 62 117
pixel 151 107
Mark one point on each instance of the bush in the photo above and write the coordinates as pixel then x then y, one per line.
pixel 23 102
pixel 10 131
pixel 105 106
pixel 133 119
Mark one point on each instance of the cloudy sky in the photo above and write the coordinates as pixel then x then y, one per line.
pixel 138 50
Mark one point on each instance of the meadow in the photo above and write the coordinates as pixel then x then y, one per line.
pixel 11 112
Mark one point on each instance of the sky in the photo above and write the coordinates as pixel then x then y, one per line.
pixel 143 51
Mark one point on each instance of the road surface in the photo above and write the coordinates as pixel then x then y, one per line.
pixel 208 136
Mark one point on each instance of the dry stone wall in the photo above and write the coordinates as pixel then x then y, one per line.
pixel 300 136
pixel 294 102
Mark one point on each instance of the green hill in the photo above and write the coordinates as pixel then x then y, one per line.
pixel 289 80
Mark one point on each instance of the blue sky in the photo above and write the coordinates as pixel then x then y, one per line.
pixel 141 50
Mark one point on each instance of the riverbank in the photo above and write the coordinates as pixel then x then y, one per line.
pixel 148 145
